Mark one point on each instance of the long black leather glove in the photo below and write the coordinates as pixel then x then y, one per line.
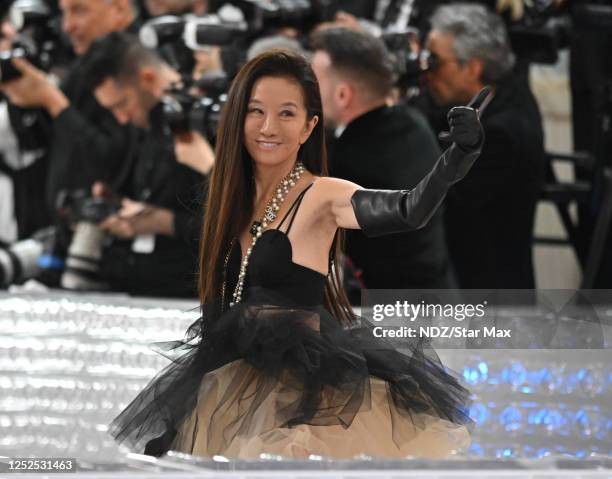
pixel 381 212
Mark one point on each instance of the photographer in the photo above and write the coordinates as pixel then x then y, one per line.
pixel 381 147
pixel 87 143
pixel 23 161
pixel 489 222
pixel 155 234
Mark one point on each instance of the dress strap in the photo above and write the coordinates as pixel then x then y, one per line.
pixel 294 208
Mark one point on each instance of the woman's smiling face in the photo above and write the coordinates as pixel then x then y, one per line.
pixel 276 123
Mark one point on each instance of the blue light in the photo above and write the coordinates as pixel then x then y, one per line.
pixel 46 261
pixel 536 417
pixel 476 449
pixel 478 374
pixel 479 413
pixel 554 420
pixel 543 452
pixel 511 418
pixel 515 374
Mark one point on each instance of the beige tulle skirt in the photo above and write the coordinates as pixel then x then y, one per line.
pixel 225 423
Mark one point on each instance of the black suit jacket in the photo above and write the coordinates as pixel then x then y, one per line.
pixel 490 213
pixel 392 148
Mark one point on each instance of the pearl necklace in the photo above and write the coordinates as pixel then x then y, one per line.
pixel 258 227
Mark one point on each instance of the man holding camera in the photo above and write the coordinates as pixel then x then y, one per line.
pixel 155 233
pixel 490 215
pixel 87 143
pixel 23 158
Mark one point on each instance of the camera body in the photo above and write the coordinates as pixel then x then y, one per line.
pixel 300 14
pixel 77 206
pixel 38 257
pixel 84 253
pixel 175 38
pixel 8 71
pixel 57 256
pixel 185 110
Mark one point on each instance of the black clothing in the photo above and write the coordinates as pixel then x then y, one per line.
pixel 88 144
pixel 382 212
pixel 158 179
pixel 392 148
pixel 591 86
pixel 490 214
pixel 277 373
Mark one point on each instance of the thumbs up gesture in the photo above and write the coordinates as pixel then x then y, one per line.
pixel 464 121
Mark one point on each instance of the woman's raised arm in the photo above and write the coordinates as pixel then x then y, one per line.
pixel 379 212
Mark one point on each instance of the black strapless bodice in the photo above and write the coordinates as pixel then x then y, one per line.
pixel 271 267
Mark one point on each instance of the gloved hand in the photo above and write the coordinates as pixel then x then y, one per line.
pixel 381 212
pixel 467 135
pixel 464 121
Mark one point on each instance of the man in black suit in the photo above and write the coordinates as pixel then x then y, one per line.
pixel 490 215
pixel 382 147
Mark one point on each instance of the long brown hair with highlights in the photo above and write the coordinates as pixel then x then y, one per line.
pixel 229 206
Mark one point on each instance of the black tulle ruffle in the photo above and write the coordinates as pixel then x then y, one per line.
pixel 299 349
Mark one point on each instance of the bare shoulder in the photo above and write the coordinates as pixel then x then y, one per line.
pixel 328 188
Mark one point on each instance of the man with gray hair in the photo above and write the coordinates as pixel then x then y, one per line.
pixel 490 216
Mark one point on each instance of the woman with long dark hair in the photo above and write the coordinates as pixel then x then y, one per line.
pixel 278 363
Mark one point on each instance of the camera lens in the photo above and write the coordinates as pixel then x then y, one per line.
pixel 8 71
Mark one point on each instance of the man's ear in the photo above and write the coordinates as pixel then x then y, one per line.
pixel 475 67
pixel 344 93
pixel 148 80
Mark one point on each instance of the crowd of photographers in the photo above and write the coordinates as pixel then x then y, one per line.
pixel 109 109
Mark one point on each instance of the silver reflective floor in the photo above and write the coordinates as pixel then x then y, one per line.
pixel 70 363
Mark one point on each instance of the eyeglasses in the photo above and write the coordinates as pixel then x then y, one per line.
pixel 431 61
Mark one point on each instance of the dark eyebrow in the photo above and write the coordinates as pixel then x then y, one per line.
pixel 287 103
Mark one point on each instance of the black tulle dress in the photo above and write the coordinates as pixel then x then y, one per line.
pixel 278 374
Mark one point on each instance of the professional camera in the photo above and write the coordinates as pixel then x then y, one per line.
pixel 58 257
pixel 8 71
pixel 175 38
pixel 301 14
pixel 78 205
pixel 38 257
pixel 191 30
pixel 410 63
pixel 40 26
pixel 186 111
pixel 85 251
